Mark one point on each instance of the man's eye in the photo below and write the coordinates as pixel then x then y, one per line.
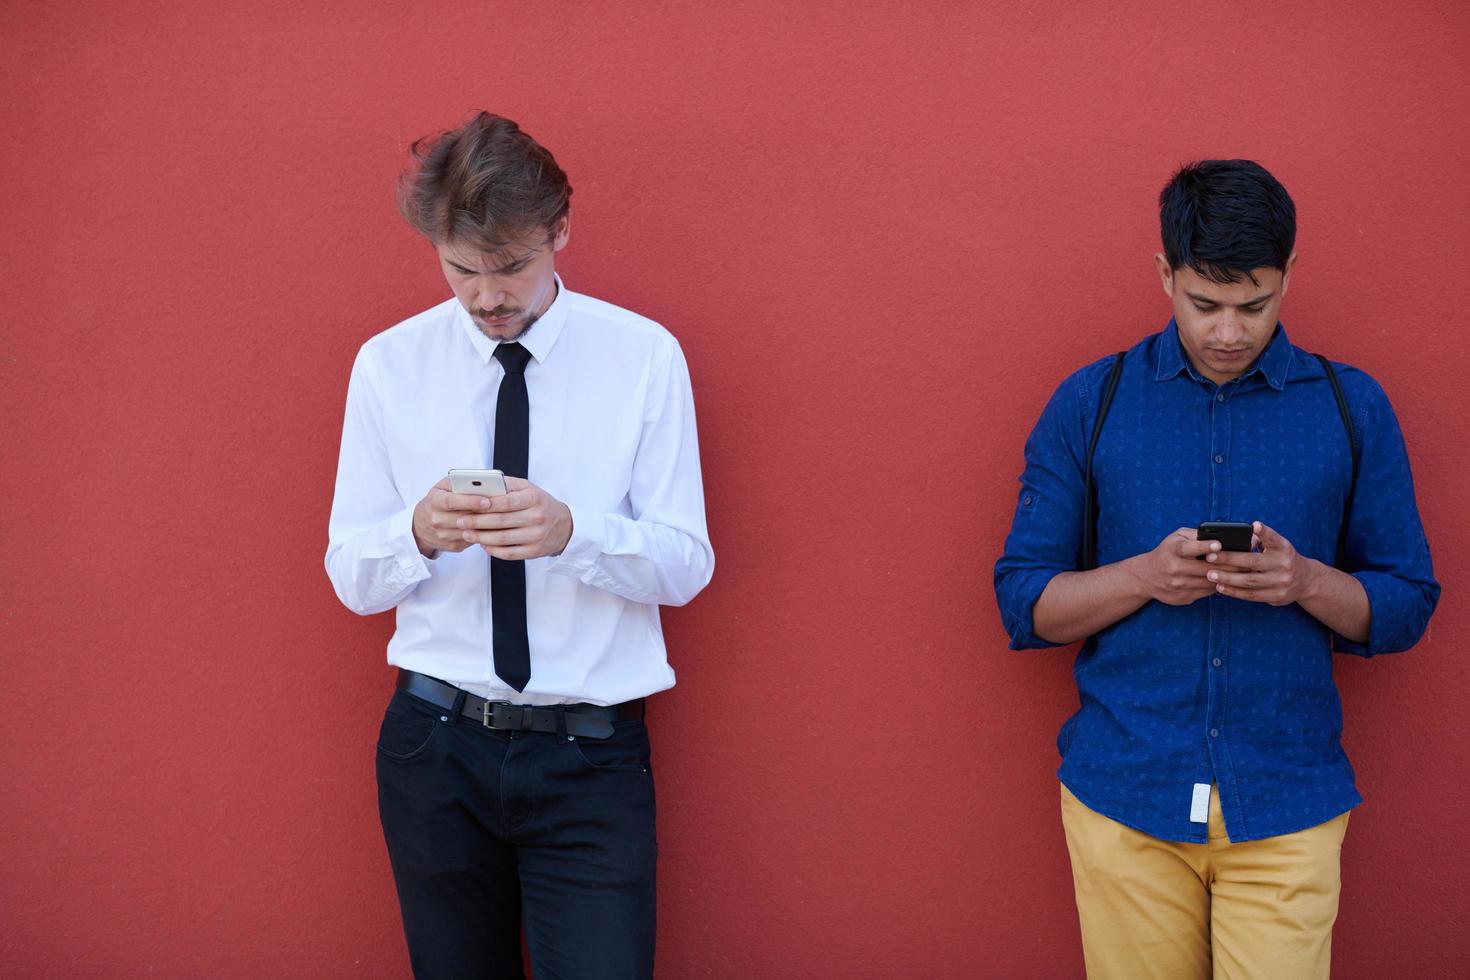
pixel 1205 309
pixel 1251 310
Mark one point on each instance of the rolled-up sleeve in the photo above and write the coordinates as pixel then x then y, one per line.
pixel 1046 531
pixel 1384 546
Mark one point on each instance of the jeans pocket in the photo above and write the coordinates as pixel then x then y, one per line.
pixel 625 750
pixel 408 729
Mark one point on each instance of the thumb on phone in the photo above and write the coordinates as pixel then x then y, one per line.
pixel 1266 538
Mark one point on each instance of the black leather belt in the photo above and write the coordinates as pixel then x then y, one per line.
pixel 580 719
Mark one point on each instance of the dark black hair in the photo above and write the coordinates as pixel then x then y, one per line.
pixel 1223 218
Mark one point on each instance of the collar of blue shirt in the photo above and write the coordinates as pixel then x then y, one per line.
pixel 1273 364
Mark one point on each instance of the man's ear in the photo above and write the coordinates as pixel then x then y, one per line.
pixel 1286 273
pixel 1166 274
pixel 563 233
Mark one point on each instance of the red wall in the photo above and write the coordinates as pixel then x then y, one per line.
pixel 882 236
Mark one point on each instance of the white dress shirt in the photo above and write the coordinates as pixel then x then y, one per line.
pixel 612 437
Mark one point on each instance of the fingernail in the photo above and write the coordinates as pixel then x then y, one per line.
pixel 484 502
pixel 459 523
pixel 1214 577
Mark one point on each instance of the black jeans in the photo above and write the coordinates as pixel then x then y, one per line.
pixel 488 831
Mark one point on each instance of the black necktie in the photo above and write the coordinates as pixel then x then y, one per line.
pixel 511 646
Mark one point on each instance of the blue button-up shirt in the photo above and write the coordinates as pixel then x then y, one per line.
pixel 1223 690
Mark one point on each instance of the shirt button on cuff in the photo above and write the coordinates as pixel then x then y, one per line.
pixel 1219 458
pixel 1214 733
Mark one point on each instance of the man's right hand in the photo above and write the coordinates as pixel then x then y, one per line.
pixel 1172 572
pixel 435 518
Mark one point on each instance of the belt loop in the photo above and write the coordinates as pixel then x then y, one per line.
pixel 458 706
pixel 561 722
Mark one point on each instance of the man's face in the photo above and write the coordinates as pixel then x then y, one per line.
pixel 1224 327
pixel 505 291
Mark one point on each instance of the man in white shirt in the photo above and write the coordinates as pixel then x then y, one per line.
pixel 513 769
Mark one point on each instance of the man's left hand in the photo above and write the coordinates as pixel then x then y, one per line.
pixel 524 522
pixel 1277 574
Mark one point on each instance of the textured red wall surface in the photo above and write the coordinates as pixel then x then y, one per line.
pixel 883 233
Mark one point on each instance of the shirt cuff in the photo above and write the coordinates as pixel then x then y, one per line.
pixel 1384 626
pixel 584 547
pixel 1022 593
pixel 404 549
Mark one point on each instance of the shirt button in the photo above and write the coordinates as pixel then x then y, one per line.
pixel 1219 458
pixel 1216 661
pixel 1214 733
pixel 1220 397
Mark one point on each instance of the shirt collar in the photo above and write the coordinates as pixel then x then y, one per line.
pixel 1275 360
pixel 538 340
pixel 1273 364
pixel 1171 354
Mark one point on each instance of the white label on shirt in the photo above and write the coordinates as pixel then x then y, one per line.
pixel 1199 807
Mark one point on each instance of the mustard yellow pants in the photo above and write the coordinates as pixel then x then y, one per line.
pixel 1157 908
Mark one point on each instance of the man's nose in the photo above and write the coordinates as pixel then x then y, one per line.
pixel 1228 329
pixel 490 296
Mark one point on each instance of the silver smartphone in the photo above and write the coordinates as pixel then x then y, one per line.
pixel 489 482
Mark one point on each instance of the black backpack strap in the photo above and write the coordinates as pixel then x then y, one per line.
pixel 1347 424
pixel 1089 494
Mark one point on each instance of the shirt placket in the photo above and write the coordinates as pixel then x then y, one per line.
pixel 1217 646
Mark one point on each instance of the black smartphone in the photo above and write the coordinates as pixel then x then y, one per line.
pixel 1232 535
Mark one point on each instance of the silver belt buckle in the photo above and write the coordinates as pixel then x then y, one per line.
pixel 489 712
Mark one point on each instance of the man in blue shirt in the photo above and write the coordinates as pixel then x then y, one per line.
pixel 1205 792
